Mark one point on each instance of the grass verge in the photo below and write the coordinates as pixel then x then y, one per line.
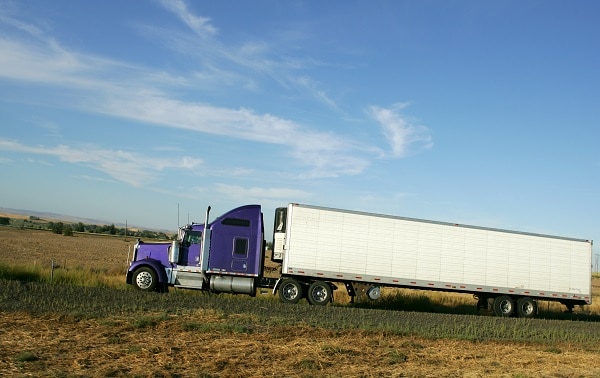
pixel 241 314
pixel 72 276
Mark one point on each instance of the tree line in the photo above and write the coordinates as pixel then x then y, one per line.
pixel 68 229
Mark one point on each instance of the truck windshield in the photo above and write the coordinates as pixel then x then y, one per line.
pixel 192 237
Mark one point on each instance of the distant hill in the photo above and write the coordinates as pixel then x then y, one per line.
pixel 4 211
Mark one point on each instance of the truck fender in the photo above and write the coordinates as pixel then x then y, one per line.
pixel 151 263
pixel 277 285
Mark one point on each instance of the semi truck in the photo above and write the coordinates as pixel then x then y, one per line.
pixel 318 250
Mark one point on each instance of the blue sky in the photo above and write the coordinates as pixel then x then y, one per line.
pixel 473 112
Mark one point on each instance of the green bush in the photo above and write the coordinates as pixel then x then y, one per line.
pixel 57 227
pixel 67 230
pixel 27 357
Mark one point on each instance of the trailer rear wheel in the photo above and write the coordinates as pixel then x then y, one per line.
pixel 290 291
pixel 319 293
pixel 504 306
pixel 526 307
pixel 145 279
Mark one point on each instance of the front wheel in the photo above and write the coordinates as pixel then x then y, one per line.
pixel 319 293
pixel 145 279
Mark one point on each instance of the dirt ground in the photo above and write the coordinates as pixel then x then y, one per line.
pixel 62 346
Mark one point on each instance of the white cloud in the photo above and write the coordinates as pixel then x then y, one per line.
pixel 325 154
pixel 261 195
pixel 128 167
pixel 40 162
pixel 319 94
pixel 249 58
pixel 200 25
pixel 242 172
pixel 401 134
pixel 122 90
pixel 95 178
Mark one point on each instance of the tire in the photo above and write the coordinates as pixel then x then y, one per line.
pixel 526 307
pixel 374 293
pixel 504 306
pixel 319 293
pixel 290 291
pixel 145 279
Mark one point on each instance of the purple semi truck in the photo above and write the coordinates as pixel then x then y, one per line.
pixel 227 256
pixel 318 248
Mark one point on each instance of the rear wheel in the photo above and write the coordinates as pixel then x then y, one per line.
pixel 526 307
pixel 290 291
pixel 504 306
pixel 145 279
pixel 319 293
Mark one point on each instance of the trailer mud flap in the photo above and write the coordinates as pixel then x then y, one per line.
pixel 276 285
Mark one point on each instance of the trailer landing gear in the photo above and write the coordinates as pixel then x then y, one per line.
pixel 361 292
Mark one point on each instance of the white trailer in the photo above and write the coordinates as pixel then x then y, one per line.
pixel 507 271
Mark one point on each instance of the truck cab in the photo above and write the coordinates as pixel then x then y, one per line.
pixel 226 255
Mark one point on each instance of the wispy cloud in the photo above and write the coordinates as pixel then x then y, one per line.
pixel 145 99
pixel 399 131
pixel 131 168
pixel 200 25
pixel 132 92
pixel 312 86
pixel 255 56
pixel 95 178
pixel 261 195
pixel 325 154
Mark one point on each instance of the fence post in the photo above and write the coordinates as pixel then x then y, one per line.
pixel 52 271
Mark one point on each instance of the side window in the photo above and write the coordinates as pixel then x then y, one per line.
pixel 193 237
pixel 240 248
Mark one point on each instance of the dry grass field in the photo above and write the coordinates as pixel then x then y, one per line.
pixel 199 344
pixel 86 251
pixel 59 346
